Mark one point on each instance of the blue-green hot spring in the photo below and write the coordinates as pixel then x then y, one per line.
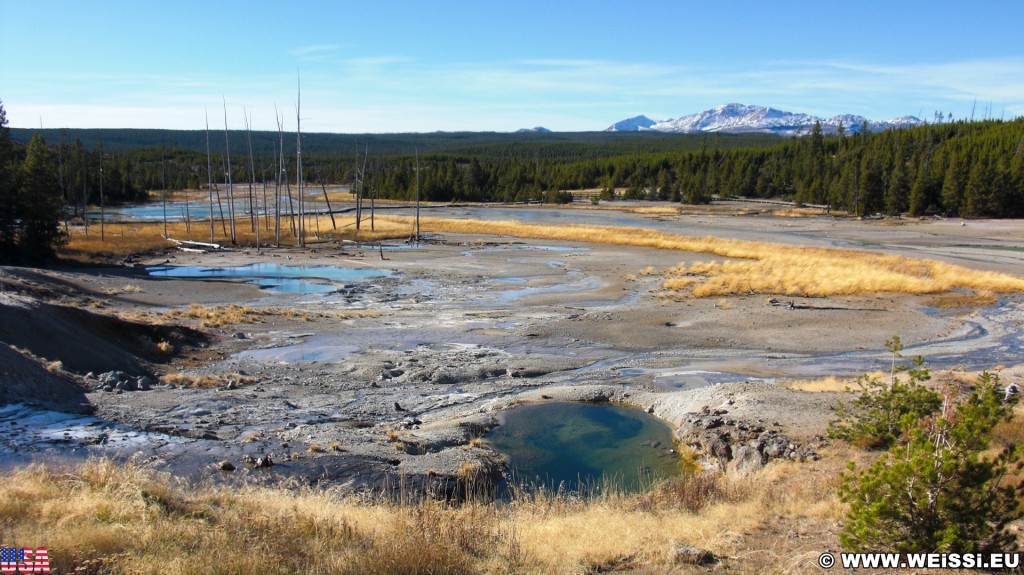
pixel 582 447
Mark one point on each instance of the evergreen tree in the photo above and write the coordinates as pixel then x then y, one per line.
pixel 872 188
pixel 664 188
pixel 921 195
pixel 8 191
pixel 953 186
pixel 978 192
pixel 39 202
pixel 896 193
pixel 884 408
pixel 936 491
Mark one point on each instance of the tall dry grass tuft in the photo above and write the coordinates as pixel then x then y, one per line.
pixel 112 517
pixel 693 493
pixel 204 379
pixel 760 267
pixel 234 314
pixel 216 316
pixel 828 383
pixel 109 517
pixel 1009 434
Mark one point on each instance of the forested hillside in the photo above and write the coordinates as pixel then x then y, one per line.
pixel 968 169
pixel 956 169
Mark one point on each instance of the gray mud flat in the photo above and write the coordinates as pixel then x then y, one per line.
pixel 398 396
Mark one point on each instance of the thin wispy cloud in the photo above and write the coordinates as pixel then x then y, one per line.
pixel 377 61
pixel 401 93
pixel 314 50
pixel 1001 79
pixel 480 66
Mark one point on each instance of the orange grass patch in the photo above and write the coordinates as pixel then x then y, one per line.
pixel 122 239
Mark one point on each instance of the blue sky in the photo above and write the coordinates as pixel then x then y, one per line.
pixel 398 66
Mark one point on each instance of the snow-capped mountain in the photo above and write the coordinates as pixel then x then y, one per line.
pixel 633 124
pixel 536 130
pixel 736 118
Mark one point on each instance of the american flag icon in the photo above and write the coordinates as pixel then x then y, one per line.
pixel 24 560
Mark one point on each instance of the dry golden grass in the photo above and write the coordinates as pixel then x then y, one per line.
pixel 1010 433
pixel 125 289
pixel 234 314
pixel 178 195
pixel 470 471
pixel 118 241
pixel 759 267
pixel 659 210
pixel 255 436
pixel 123 239
pixel 216 316
pixel 204 379
pixel 800 212
pixel 957 300
pixel 85 515
pixel 822 384
pixel 959 377
pixel 649 210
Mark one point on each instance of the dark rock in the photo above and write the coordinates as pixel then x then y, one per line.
pixel 225 465
pixel 525 372
pixel 746 459
pixel 738 446
pixel 711 423
pixel 410 422
pixel 773 445
pixel 720 448
pixel 111 377
pixel 198 433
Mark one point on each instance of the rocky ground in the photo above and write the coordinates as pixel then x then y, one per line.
pixel 387 383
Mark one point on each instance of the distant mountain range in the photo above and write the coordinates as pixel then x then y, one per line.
pixel 739 118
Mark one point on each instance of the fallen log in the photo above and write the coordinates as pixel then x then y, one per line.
pixel 188 243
